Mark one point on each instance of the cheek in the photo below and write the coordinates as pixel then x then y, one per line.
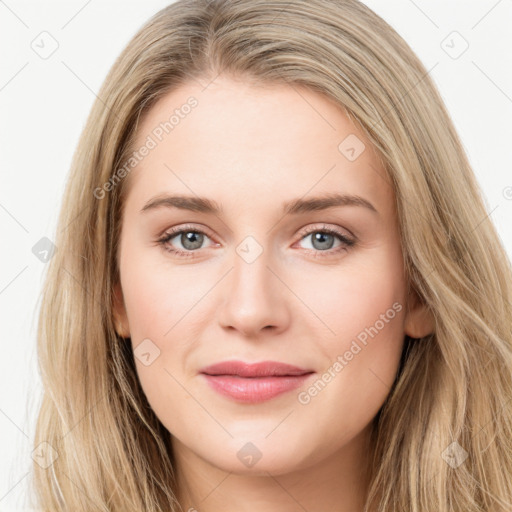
pixel 157 296
pixel 161 303
pixel 364 309
pixel 354 295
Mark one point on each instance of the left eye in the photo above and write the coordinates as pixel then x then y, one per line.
pixel 324 240
pixel 192 240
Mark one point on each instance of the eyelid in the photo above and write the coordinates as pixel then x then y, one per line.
pixel 187 227
pixel 305 230
pixel 347 240
pixel 311 228
pixel 170 233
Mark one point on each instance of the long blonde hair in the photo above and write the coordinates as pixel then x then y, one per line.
pixel 443 439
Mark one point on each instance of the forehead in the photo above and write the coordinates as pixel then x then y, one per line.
pixel 249 145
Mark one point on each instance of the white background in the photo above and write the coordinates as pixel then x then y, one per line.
pixel 44 104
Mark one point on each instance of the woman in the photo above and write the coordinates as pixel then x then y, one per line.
pixel 196 355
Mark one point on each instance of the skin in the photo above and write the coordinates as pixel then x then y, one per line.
pixel 251 149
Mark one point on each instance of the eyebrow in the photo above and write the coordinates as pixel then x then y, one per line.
pixel 294 207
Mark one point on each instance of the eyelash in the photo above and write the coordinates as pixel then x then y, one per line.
pixel 317 253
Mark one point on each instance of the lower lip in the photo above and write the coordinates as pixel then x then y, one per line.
pixel 254 390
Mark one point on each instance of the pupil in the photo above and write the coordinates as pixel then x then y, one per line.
pixel 192 240
pixel 320 237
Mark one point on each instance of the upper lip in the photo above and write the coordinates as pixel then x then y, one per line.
pixel 261 369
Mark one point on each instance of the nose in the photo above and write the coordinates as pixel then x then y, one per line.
pixel 255 298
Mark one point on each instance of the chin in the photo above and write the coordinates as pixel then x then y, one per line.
pixel 259 457
pixel 262 467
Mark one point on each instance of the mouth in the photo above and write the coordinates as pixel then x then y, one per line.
pixel 261 369
pixel 254 383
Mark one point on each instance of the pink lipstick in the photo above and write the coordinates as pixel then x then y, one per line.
pixel 254 383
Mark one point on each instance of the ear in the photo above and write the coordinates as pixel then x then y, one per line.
pixel 120 317
pixel 419 320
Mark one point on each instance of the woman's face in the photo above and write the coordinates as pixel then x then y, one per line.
pixel 278 274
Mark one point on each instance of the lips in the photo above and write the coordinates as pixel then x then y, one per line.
pixel 262 369
pixel 253 383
